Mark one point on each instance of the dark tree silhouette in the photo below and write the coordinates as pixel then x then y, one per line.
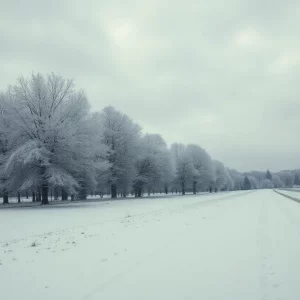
pixel 246 184
pixel 268 175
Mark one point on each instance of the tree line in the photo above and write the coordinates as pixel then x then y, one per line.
pixel 52 145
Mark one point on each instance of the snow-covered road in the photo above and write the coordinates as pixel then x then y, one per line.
pixel 235 246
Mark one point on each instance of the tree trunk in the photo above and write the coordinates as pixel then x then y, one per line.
pixel 194 187
pixel 45 199
pixel 19 197
pixel 72 197
pixel 33 196
pixel 56 194
pixel 139 192
pixel 113 191
pixel 27 195
pixel 166 189
pixel 64 195
pixel 183 188
pixel 82 193
pixel 39 198
pixel 5 197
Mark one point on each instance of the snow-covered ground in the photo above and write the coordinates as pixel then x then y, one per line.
pixel 293 193
pixel 235 246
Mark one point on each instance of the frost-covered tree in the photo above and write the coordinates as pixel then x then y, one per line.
pixel 53 141
pixel 237 178
pixel 203 173
pixel 220 175
pixel 296 180
pixel 254 182
pixel 147 164
pixel 184 165
pixel 122 137
pixel 147 172
pixel 167 170
pixel 266 184
pixel 5 144
pixel 277 182
pixel 229 181
pixel 287 178
pixel 257 174
pixel 154 149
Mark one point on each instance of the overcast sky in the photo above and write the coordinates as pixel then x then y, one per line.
pixel 222 74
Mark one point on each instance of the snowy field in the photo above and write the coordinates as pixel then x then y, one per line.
pixel 291 190
pixel 293 193
pixel 234 245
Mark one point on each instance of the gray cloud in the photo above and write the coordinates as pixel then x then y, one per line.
pixel 221 74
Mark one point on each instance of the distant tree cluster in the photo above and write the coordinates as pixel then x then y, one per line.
pixel 52 145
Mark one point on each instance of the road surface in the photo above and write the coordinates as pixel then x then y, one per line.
pixel 235 246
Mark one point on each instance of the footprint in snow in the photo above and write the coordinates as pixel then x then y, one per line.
pixel 275 285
